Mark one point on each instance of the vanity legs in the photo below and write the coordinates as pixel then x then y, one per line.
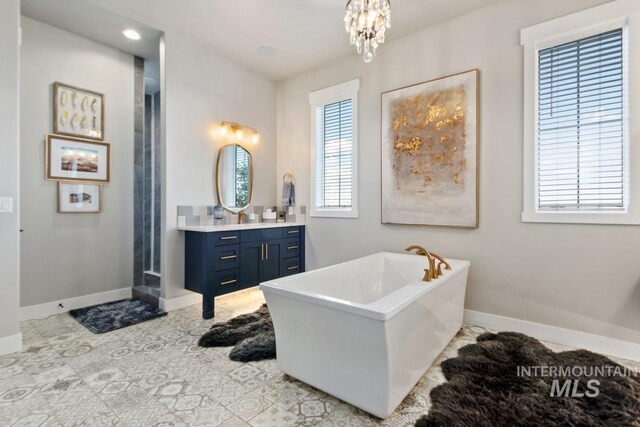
pixel 207 306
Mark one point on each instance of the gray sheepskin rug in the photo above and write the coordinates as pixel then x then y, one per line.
pixel 484 390
pixel 114 315
pixel 252 336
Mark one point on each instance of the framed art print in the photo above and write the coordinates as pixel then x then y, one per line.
pixel 75 159
pixel 429 152
pixel 78 112
pixel 79 197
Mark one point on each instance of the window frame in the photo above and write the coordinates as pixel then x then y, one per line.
pixel 319 99
pixel 622 14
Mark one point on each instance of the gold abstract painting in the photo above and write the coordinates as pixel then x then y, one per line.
pixel 429 150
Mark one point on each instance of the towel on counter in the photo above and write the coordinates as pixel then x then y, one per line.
pixel 288 194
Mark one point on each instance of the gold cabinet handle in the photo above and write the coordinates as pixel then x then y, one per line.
pixel 295 267
pixel 228 282
pixel 228 257
pixel 266 258
pixel 262 252
pixel 292 247
pixel 229 238
pixel 293 231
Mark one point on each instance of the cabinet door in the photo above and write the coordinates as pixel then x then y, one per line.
pixel 250 264
pixel 270 266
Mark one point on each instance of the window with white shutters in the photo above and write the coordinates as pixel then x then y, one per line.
pixel 334 150
pixel 581 128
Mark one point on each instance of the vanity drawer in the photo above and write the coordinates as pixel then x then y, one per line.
pixel 225 257
pixel 291 248
pixel 262 234
pixel 291 266
pixel 226 281
pixel 224 238
pixel 291 232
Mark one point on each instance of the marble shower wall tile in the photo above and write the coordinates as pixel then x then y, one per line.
pixel 152 280
pixel 157 190
pixel 138 161
pixel 147 179
pixel 146 203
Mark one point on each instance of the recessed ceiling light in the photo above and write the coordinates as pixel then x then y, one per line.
pixel 131 34
pixel 267 51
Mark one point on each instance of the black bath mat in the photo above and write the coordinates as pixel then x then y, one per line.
pixel 252 336
pixel 483 388
pixel 114 315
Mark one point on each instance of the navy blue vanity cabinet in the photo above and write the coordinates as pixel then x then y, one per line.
pixel 217 263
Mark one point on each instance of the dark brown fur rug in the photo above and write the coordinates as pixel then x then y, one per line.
pixel 252 336
pixel 484 390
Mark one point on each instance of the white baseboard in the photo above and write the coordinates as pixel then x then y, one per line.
pixel 171 304
pixel 554 334
pixel 40 311
pixel 11 344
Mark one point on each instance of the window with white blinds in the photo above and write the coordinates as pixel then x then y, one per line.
pixel 581 112
pixel 334 141
pixel 241 177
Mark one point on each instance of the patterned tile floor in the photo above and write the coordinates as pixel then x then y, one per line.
pixel 154 374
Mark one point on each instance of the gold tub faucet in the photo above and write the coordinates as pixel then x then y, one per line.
pixel 432 272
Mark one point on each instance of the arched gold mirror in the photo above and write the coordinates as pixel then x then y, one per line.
pixel 234 178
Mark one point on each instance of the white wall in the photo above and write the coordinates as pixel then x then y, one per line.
pixel 71 255
pixel 201 90
pixel 9 176
pixel 581 277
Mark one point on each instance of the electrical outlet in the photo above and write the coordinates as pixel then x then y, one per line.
pixel 6 204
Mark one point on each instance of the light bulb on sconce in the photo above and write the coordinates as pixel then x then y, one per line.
pixel 255 138
pixel 224 129
pixel 239 134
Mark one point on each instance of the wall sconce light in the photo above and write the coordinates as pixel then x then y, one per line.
pixel 238 132
pixel 224 129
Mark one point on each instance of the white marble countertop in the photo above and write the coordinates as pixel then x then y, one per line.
pixel 234 227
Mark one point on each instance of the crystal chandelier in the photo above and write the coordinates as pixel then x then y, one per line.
pixel 366 22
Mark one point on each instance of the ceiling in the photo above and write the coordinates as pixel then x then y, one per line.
pixel 103 26
pixel 87 20
pixel 304 33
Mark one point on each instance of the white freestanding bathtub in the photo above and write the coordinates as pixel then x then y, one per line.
pixel 366 331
